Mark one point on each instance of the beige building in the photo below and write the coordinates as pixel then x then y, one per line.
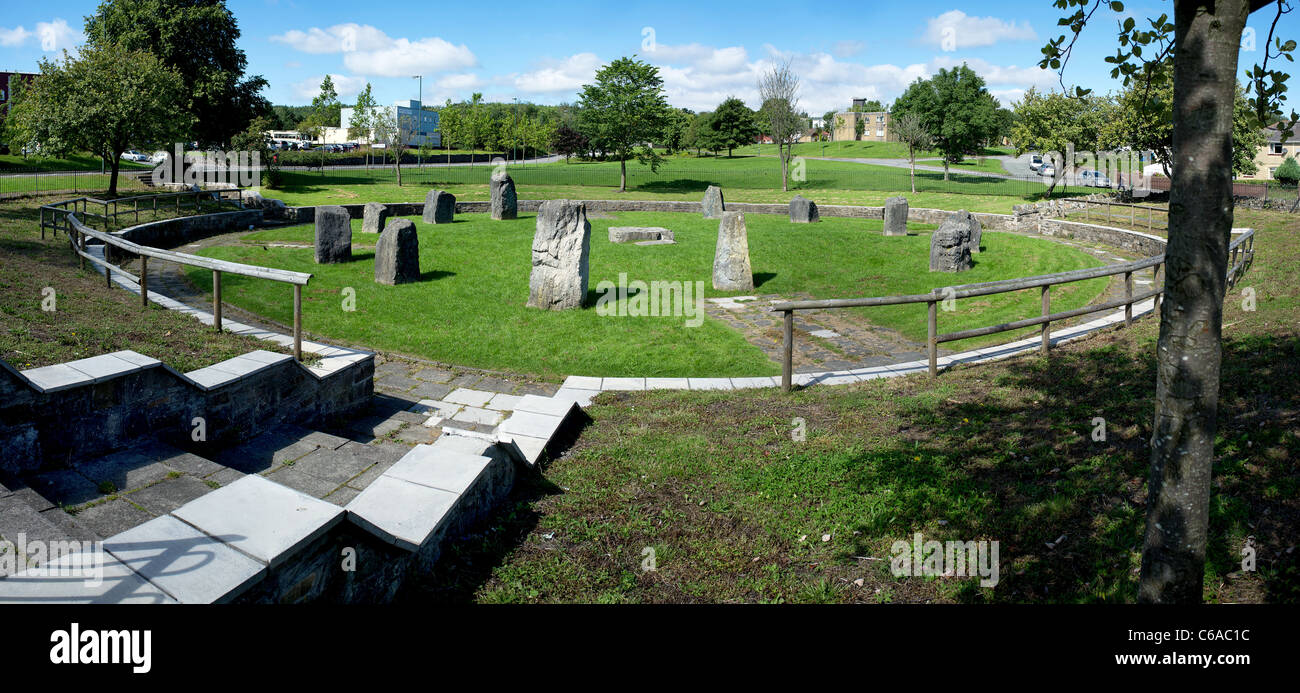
pixel 1272 154
pixel 875 126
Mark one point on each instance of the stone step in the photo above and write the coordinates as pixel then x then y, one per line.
pixel 536 424
pixel 417 501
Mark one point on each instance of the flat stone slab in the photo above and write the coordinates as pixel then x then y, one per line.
pixel 400 512
pixel 116 584
pixel 191 566
pixel 442 469
pixel 468 397
pixel 545 405
pixel 631 234
pixel 487 417
pixel 263 519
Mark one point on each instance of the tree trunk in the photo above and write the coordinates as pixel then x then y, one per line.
pixel 114 165
pixel 622 174
pixel 913 176
pixel 1189 352
pixel 785 168
pixel 397 164
pixel 945 169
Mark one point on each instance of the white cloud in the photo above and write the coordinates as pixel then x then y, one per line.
pixel 367 50
pixel 346 86
pixel 56 35
pixel 955 29
pixel 1000 75
pixel 13 37
pixel 566 75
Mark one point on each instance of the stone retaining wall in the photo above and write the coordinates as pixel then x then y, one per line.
pixel 95 411
pixel 172 233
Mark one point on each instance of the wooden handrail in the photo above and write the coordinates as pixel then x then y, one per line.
pixel 78 232
pixel 1241 253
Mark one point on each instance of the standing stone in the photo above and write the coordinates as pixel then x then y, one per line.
pixel 374 218
pixel 439 207
pixel 505 203
pixel 713 205
pixel 397 255
pixel 950 246
pixel 561 245
pixel 333 235
pixel 273 209
pixel 803 211
pixel 896 216
pixel 731 269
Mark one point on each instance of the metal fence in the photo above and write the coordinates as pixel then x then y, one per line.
pixel 17 182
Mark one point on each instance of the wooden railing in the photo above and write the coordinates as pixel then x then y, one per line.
pixel 110 210
pixel 1241 253
pixel 78 232
pixel 1133 209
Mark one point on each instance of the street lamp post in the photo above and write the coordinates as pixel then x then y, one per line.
pixel 514 145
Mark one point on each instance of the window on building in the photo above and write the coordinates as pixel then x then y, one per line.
pixel 1272 172
pixel 1278 148
pixel 880 132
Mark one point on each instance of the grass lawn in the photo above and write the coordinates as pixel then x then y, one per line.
pixel 855 149
pixel 88 319
pixel 469 307
pixel 736 510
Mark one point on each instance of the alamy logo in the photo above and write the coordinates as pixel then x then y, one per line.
pixel 241 169
pixel 935 558
pixel 61 559
pixel 656 299
pixel 76 646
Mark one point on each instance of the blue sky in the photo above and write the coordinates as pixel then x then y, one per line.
pixel 544 51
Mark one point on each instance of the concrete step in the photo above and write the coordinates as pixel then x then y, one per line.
pixel 537 426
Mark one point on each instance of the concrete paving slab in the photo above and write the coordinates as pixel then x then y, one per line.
pixel 399 512
pixel 59 583
pixel 191 566
pixel 466 396
pixel 439 468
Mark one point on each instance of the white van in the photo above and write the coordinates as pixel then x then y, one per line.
pixel 1035 162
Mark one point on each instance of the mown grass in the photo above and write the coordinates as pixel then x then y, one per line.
pixel 88 319
pixel 469 308
pixel 735 509
pixel 682 177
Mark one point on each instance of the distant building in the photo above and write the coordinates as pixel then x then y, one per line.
pixel 875 127
pixel 1270 156
pixel 419 125
pixel 7 77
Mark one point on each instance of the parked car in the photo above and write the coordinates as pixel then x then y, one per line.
pixel 158 157
pixel 1096 179
pixel 1035 162
pixel 135 155
pixel 1047 170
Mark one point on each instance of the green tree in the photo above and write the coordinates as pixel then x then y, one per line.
pixel 106 100
pixel 1288 173
pixel 1144 120
pixel 828 123
pixel 908 129
pixel 627 110
pixel 956 108
pixel 254 140
pixel 679 122
pixel 198 39
pixel 859 127
pixel 872 106
pixel 733 125
pixel 779 90
pixel 1204 41
pixel 324 113
pixel 1055 122
pixel 361 122
pixel 451 124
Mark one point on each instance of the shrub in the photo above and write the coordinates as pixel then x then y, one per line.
pixel 1288 173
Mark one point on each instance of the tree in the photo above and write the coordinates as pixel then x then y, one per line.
pixel 393 131
pixel 909 130
pixel 106 100
pixel 679 121
pixel 1055 122
pixel 859 127
pixel 872 106
pixel 568 142
pixel 733 125
pixel 254 140
pixel 1288 173
pixel 197 38
pixel 324 113
pixel 779 90
pixel 1143 120
pixel 828 123
pixel 361 123
pixel 627 110
pixel 450 126
pixel 1203 40
pixel 956 109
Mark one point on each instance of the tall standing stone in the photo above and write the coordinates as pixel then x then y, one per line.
pixel 803 211
pixel 333 235
pixel 713 205
pixel 731 268
pixel 561 246
pixel 896 216
pixel 374 218
pixel 439 207
pixel 397 254
pixel 950 246
pixel 505 203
